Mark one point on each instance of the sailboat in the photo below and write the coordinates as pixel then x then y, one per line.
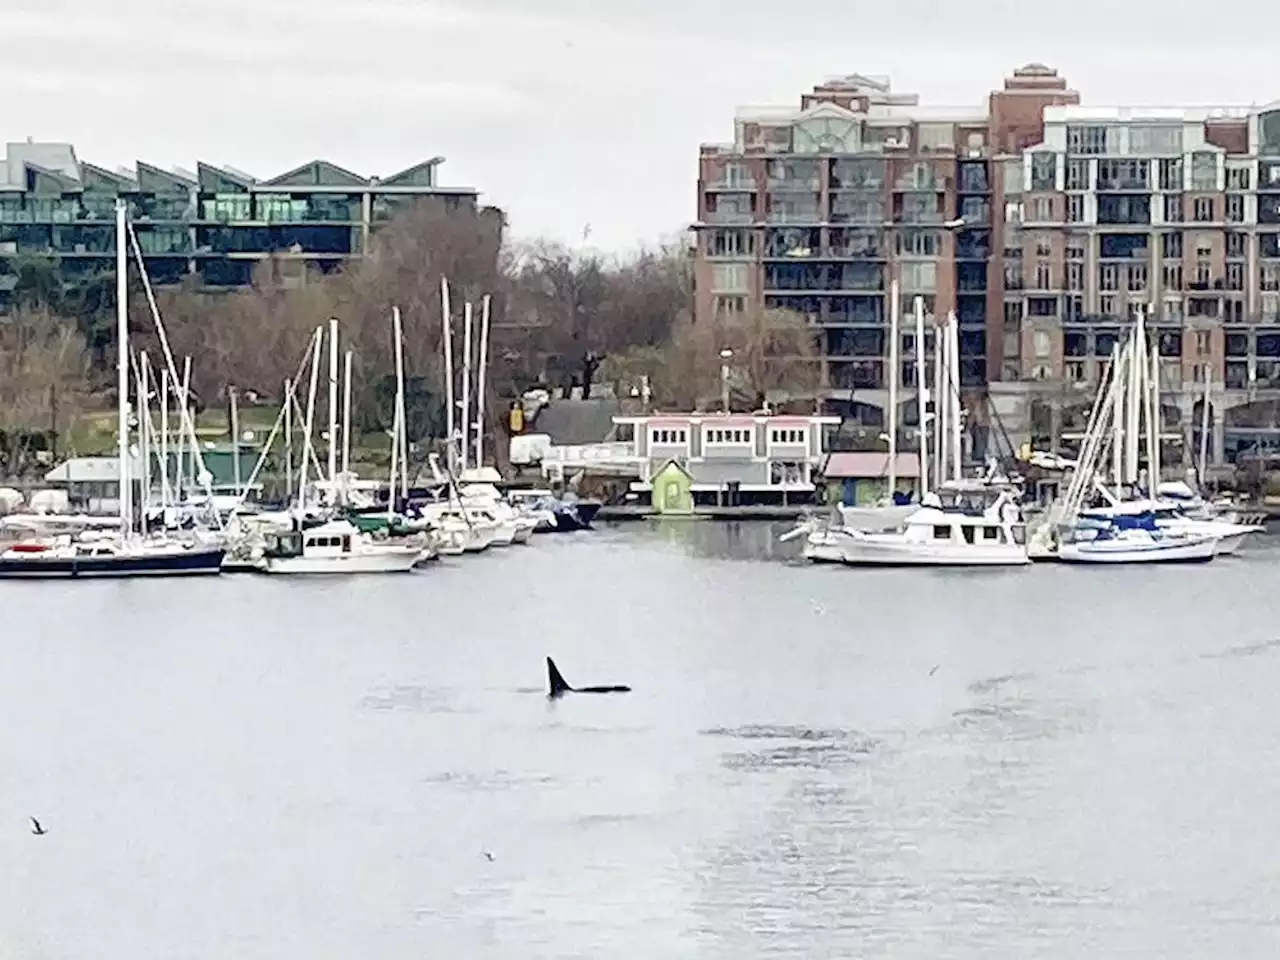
pixel 127 553
pixel 336 545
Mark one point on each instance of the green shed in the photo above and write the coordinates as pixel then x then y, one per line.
pixel 672 490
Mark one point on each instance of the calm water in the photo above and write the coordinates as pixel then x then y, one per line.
pixel 250 768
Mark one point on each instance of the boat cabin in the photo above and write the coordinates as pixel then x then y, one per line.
pixel 931 525
pixel 311 543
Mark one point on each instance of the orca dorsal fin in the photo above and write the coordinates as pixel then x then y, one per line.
pixel 556 683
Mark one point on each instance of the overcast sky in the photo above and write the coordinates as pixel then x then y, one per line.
pixel 564 112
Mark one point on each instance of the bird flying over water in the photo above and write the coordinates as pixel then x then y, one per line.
pixel 935 669
pixel 38 830
pixel 488 856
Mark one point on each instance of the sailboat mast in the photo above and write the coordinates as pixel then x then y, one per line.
pixel 346 419
pixel 480 379
pixel 184 394
pixel 1153 418
pixel 895 315
pixel 233 396
pixel 941 403
pixel 122 365
pixel 953 392
pixel 1204 425
pixel 402 426
pixel 316 343
pixel 144 435
pixel 288 441
pixel 164 437
pixel 922 396
pixel 446 334
pixel 466 383
pixel 333 405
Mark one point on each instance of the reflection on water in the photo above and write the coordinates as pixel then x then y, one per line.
pixel 813 763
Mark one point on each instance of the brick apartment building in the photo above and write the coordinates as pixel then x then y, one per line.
pixel 1043 224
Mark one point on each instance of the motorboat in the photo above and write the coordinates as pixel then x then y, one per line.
pixel 933 536
pixel 336 547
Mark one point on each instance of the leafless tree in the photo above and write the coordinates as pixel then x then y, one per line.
pixel 44 370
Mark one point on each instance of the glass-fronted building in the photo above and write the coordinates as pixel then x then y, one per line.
pixel 214 224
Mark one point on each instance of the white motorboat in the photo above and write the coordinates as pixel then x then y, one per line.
pixel 336 547
pixel 932 536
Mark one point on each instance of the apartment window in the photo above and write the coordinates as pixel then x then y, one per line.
pixel 669 436
pixel 1238 178
pixel 1107 305
pixel 1044 246
pixel 936 136
pixel 1075 276
pixel 1269 277
pixel 1013 314
pixel 918 243
pixel 1074 308
pixel 1013 213
pixel 1204 171
pixel 783 436
pixel 1202 209
pixel 721 437
pixel 1074 249
pixel 1204 245
pixel 1075 371
pixel 1155 139
pixel 1171 246
pixel 1044 171
pixel 1108 277
pixel 1075 208
pixel 1235 276
pixel 1012 179
pixel 729 278
pixel 1235 208
pixel 1042 209
pixel 1138 277
pixel 729 243
pixel 1173 208
pixel 1237 244
pixel 1271 306
pixel 1044 275
pixel 919 276
pixel 1202 342
pixel 1013 275
pixel 1171 174
pixel 1042 344
pixel 728 307
pixel 1171 276
pixel 1204 275
pixel 1092 139
pixel 1077 174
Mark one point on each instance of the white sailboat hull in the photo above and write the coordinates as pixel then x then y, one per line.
pixel 1171 550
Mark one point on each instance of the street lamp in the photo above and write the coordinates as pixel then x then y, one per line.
pixel 725 356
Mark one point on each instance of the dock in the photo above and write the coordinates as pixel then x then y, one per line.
pixel 625 513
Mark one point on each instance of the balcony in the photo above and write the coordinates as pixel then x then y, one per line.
pixel 728 217
pixel 795 185
pixel 1124 184
pixel 790 214
pixel 737 184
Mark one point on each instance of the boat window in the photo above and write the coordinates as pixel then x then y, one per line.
pixel 990 533
pixel 1019 534
pixel 941 532
pixel 346 544
pixel 967 532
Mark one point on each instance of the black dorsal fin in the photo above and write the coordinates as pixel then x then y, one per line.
pixel 556 684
